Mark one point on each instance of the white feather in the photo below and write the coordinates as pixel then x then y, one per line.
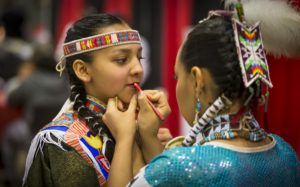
pixel 280 24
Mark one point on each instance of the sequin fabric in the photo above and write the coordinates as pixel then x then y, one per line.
pixel 217 166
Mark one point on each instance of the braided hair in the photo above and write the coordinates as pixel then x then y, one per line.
pixel 85 27
pixel 211 45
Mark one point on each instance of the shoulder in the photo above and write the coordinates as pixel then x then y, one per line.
pixel 286 153
pixel 53 164
pixel 283 146
pixel 65 119
pixel 180 166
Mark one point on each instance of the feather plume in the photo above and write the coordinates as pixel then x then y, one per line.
pixel 280 24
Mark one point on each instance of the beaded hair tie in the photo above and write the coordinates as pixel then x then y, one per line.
pixel 96 42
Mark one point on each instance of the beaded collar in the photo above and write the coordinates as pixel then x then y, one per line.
pixel 231 126
pixel 95 105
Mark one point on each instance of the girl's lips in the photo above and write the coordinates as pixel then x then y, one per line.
pixel 132 85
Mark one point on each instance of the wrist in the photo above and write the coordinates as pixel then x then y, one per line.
pixel 148 130
pixel 125 139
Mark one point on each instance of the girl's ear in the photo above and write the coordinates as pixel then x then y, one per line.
pixel 81 70
pixel 198 79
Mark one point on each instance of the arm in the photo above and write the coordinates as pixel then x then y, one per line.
pixel 138 159
pixel 121 166
pixel 149 122
pixel 122 125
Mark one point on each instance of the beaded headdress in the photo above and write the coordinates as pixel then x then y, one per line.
pixel 251 52
pixel 96 42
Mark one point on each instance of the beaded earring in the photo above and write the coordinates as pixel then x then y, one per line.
pixel 197 110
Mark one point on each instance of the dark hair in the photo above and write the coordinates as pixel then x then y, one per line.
pixel 43 58
pixel 211 45
pixel 13 21
pixel 85 27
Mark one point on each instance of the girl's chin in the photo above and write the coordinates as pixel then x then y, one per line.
pixel 125 100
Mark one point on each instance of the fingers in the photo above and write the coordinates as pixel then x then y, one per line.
pixel 133 103
pixel 111 104
pixel 164 135
pixel 143 102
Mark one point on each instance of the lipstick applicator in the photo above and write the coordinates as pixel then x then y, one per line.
pixel 138 88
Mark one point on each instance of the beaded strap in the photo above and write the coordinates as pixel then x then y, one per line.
pixel 209 114
pixel 247 128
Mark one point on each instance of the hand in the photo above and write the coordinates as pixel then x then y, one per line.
pixel 164 135
pixel 121 123
pixel 148 121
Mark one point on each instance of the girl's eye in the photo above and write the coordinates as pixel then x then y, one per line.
pixel 121 60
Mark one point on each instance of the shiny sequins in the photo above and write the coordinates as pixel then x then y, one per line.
pixel 217 166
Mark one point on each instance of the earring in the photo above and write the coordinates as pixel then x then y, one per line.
pixel 197 110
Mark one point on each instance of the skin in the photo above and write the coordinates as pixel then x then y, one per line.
pixel 149 123
pixel 197 83
pixel 116 68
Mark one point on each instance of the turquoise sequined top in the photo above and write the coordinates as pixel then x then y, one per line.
pixel 213 165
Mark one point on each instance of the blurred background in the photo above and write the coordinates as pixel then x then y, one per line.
pixel 31 92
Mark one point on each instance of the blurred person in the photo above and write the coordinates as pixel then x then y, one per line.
pixel 15 41
pixel 39 89
pixel 102 57
pixel 40 94
pixel 11 66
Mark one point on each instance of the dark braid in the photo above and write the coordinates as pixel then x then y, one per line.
pixel 85 27
pixel 211 45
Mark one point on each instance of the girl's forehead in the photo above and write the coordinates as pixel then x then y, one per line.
pixel 125 48
pixel 114 27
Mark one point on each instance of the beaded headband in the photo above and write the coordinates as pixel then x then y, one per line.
pixel 96 42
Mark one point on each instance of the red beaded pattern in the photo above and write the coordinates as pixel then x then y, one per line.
pixel 101 41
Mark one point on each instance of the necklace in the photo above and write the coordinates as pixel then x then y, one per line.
pixel 226 127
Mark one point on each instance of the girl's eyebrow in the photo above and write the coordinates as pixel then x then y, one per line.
pixel 124 50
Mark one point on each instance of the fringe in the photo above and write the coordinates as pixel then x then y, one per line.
pixel 37 144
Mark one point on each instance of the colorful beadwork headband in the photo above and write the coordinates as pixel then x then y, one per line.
pixel 96 42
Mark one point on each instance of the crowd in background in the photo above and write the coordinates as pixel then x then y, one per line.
pixel 31 93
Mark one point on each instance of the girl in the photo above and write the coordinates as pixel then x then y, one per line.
pixel 102 56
